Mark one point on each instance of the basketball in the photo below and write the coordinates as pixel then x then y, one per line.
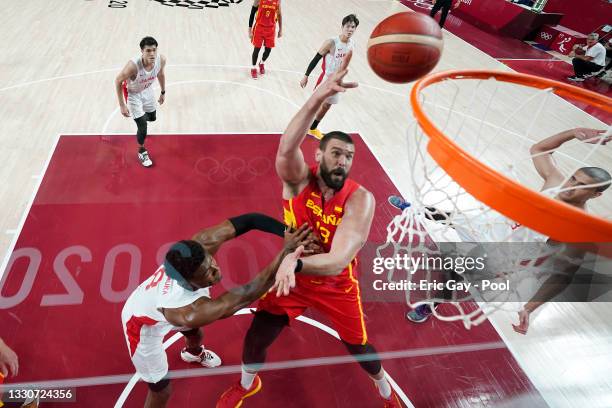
pixel 404 47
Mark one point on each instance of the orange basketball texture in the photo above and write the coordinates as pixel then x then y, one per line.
pixel 404 47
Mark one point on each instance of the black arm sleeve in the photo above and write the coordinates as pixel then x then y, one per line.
pixel 252 16
pixel 246 222
pixel 313 63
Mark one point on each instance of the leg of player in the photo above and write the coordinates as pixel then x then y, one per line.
pixel 195 352
pixel 159 394
pixel 266 54
pixel 141 135
pixel 318 118
pixel 368 360
pixel 265 328
pixel 254 58
pixel 445 9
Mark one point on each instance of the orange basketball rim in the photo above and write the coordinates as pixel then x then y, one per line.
pixel 556 219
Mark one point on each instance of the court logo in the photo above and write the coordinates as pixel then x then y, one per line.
pixel 424 4
pixel 188 4
pixel 561 44
pixel 197 4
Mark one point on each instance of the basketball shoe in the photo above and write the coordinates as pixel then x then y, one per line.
pixel 262 69
pixel 393 401
pixel 234 396
pixel 398 202
pixel 420 314
pixel 254 73
pixel 144 158
pixel 207 358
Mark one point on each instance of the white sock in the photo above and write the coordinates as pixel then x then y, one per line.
pixel 384 388
pixel 246 379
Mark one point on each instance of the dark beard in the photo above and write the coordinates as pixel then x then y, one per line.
pixel 326 175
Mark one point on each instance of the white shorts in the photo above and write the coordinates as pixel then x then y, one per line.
pixel 149 358
pixel 141 102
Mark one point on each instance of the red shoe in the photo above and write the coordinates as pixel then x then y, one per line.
pixel 254 73
pixel 262 69
pixel 234 396
pixel 393 401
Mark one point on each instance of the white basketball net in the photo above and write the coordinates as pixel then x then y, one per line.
pixel 497 123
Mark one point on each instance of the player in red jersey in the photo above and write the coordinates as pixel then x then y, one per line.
pixel 268 13
pixel 341 211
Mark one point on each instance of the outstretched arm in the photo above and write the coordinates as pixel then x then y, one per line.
pixel 211 238
pixel 541 152
pixel 564 266
pixel 204 310
pixel 290 164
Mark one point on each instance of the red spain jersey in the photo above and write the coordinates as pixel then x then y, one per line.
pixel 322 216
pixel 266 14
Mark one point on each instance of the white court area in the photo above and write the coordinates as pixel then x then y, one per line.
pixel 60 59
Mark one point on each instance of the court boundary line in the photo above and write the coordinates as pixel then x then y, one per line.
pixel 17 231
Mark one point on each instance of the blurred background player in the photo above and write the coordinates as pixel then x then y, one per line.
pixel 133 85
pixel 445 5
pixel 333 52
pixel 265 13
pixel 176 297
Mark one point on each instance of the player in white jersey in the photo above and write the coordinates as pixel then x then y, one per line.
pixel 176 297
pixel 134 86
pixel 333 52
pixel 585 184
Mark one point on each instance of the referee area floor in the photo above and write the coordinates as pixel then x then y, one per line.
pixel 100 224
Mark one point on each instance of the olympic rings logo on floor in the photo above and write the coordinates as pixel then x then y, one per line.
pixel 234 169
pixel 546 36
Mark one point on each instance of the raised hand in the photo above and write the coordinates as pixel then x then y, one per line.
pixel 335 83
pixel 285 276
pixel 592 136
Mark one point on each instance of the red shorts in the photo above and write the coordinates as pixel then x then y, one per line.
pixel 265 36
pixel 338 299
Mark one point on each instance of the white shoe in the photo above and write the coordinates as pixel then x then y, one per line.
pixel 144 158
pixel 207 358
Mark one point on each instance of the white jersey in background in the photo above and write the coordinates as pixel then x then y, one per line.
pixel 145 326
pixel 144 79
pixel 332 61
pixel 138 92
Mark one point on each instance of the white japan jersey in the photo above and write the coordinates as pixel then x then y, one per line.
pixel 144 305
pixel 144 79
pixel 333 59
